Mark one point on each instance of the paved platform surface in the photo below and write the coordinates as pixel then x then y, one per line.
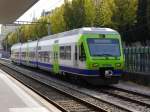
pixel 14 97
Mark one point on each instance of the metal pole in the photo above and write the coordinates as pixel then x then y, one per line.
pixel 18 35
pixel 49 29
pixel 6 45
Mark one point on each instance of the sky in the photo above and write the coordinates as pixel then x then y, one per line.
pixel 36 10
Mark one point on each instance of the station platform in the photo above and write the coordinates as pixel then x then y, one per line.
pixel 15 97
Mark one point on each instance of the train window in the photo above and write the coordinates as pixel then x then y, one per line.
pixel 62 52
pixel 68 52
pixel 75 52
pixel 82 56
pixel 46 56
pixel 42 55
pixel 31 55
pixel 65 52
pixel 23 54
pixel 39 56
pixel 50 55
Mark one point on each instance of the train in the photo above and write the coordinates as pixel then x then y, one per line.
pixel 93 54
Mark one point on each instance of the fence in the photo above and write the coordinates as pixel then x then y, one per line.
pixel 137 59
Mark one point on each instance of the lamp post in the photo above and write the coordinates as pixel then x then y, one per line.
pixel 6 46
pixel 49 29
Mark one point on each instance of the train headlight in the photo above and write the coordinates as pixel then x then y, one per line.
pixel 118 65
pixel 94 65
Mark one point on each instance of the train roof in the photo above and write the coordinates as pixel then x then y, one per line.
pixel 84 30
pixel 16 46
pixel 72 36
pixel 30 44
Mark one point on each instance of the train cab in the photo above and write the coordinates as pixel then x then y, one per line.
pixel 102 56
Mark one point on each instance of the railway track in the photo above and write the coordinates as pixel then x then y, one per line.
pixel 128 90
pixel 104 101
pixel 64 101
pixel 141 100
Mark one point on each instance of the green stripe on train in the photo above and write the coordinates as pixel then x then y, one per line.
pixel 55 58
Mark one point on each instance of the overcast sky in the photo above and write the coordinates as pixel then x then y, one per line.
pixel 36 10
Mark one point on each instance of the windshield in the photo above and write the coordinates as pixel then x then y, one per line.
pixel 104 47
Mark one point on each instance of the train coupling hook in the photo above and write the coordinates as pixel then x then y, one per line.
pixel 108 73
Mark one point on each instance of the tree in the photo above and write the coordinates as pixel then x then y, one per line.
pixel 56 19
pixel 78 13
pixel 89 13
pixel 68 15
pixel 125 18
pixel 142 23
pixel 148 16
pixel 125 13
pixel 104 12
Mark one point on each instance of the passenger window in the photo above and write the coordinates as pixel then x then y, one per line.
pixel 82 56
pixel 62 52
pixel 68 52
pixel 65 52
pixel 75 52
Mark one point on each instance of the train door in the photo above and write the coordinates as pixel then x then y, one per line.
pixel 55 58
pixel 27 54
pixel 75 56
pixel 20 54
pixel 82 56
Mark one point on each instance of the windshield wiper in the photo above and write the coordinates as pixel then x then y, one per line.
pixel 103 55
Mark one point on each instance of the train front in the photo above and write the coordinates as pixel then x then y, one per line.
pixel 104 58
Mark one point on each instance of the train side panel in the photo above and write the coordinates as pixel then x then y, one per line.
pixel 24 54
pixel 68 54
pixel 45 55
pixel 16 53
pixel 58 55
pixel 32 54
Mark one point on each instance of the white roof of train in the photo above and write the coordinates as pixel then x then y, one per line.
pixel 84 30
pixel 16 46
pixel 73 35
pixel 70 36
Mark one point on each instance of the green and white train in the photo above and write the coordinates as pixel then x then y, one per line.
pixel 94 54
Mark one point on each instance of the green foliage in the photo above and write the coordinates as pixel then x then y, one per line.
pixel 73 14
pixel 104 13
pixel 12 38
pixel 125 13
pixel 142 23
pixel 89 13
pixel 148 15
pixel 57 20
pixel 79 13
